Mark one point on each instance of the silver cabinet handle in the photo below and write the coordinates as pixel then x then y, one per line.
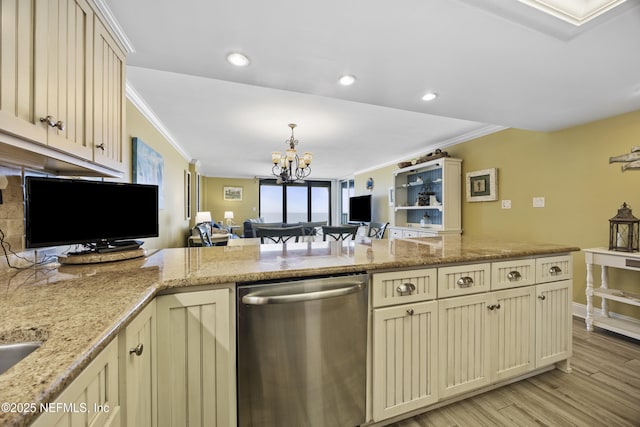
pixel 555 270
pixel 493 306
pixel 464 282
pixel 137 350
pixel 514 276
pixel 410 312
pixel 406 289
pixel 542 297
pixel 257 299
pixel 100 146
pixel 51 122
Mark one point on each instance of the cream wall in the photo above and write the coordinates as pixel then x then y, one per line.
pixel 174 227
pixel 570 169
pixel 213 199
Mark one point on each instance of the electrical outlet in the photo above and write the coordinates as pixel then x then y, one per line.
pixel 538 202
pixel 506 204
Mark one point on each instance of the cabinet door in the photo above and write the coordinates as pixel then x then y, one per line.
pixel 464 344
pixel 512 315
pixel 139 361
pixel 553 322
pixel 404 358
pixel 109 100
pixel 196 364
pixel 69 71
pixel 22 78
pixel 92 399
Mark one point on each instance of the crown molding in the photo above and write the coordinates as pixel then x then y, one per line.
pixel 114 26
pixel 483 131
pixel 148 113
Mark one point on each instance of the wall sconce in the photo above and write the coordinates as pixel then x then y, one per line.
pixel 624 231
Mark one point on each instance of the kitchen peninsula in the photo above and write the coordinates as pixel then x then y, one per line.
pixel 82 311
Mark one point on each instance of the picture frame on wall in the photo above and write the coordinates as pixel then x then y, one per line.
pixel 232 194
pixel 482 185
pixel 148 167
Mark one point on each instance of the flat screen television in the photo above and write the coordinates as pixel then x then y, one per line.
pixel 94 213
pixel 360 208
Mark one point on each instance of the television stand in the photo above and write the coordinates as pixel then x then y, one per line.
pixel 108 254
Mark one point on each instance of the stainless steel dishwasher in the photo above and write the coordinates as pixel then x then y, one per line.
pixel 302 352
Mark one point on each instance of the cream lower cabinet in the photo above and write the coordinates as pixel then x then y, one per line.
pixel 553 329
pixel 404 358
pixel 196 359
pixel 138 369
pixel 485 338
pixel 92 399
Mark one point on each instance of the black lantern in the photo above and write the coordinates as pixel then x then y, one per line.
pixel 624 231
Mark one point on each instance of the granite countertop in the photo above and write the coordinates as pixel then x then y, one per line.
pixel 78 309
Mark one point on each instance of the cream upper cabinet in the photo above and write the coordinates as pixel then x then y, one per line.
pixel 62 83
pixel 23 76
pixel 138 379
pixel 68 53
pixel 108 100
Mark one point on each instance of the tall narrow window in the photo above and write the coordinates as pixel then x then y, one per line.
pixel 346 190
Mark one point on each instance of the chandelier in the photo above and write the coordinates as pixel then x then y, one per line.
pixel 290 167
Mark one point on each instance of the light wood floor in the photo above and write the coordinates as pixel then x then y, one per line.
pixel 602 390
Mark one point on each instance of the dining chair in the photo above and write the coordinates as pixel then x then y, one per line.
pixel 279 234
pixel 339 232
pixel 377 230
pixel 311 228
pixel 203 232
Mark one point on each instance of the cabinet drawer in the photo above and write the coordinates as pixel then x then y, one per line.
pixel 399 287
pixel 552 269
pixel 512 274
pixel 409 233
pixel 463 279
pixel 395 233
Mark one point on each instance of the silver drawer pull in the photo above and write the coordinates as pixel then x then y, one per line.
pixel 406 289
pixel 514 276
pixel 555 270
pixel 137 350
pixel 410 312
pixel 542 297
pixel 464 282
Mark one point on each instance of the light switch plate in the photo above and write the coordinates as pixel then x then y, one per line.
pixel 538 202
pixel 506 204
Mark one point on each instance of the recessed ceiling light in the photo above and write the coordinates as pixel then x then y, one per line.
pixel 238 59
pixel 347 80
pixel 429 96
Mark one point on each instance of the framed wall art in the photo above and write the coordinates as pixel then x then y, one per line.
pixel 482 185
pixel 233 193
pixel 148 167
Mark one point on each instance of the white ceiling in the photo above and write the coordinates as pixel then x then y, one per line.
pixel 494 64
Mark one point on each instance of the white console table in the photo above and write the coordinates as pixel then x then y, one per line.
pixel 606 258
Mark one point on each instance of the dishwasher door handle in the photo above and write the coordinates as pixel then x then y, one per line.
pixel 258 299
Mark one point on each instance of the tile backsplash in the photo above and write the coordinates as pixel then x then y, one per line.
pixel 12 221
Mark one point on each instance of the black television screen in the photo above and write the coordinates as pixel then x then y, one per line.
pixel 360 208
pixel 69 211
